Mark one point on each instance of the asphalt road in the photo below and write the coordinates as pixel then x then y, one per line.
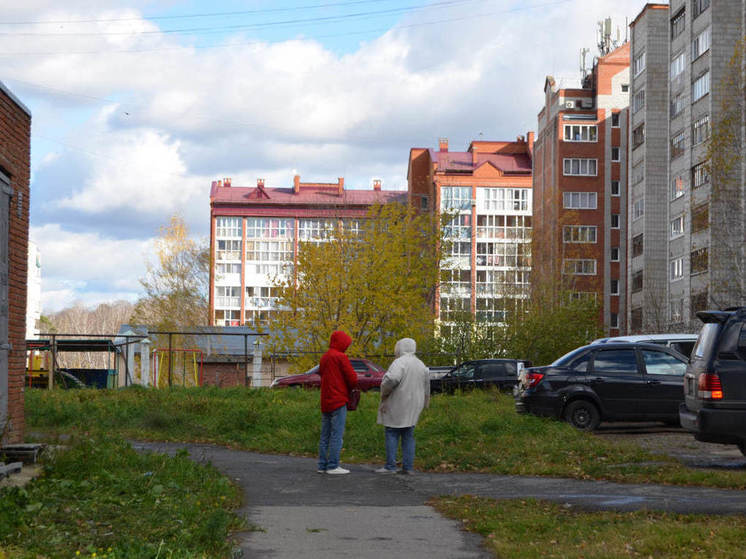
pixel 297 513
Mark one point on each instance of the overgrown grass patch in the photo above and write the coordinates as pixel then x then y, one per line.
pixel 98 497
pixel 518 529
pixel 477 431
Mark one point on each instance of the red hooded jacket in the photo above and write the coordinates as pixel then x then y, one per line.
pixel 337 375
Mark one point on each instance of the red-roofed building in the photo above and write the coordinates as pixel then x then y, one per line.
pixel 254 235
pixel 489 187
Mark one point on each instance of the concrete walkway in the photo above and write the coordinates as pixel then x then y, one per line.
pixel 298 513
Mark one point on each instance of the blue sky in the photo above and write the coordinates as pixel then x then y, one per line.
pixel 138 105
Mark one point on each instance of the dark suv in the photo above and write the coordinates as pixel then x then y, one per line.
pixel 714 407
pixel 481 373
pixel 609 382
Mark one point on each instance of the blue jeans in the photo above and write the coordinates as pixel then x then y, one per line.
pixel 406 434
pixel 332 431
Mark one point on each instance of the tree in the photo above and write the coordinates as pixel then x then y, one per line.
pixel 377 284
pixel 175 289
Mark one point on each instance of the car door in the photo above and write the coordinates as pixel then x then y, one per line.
pixel 489 374
pixel 616 379
pixel 664 377
pixel 461 377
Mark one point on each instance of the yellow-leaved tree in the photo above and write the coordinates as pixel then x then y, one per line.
pixel 375 282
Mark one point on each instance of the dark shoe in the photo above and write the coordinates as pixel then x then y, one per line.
pixel 406 472
pixel 385 471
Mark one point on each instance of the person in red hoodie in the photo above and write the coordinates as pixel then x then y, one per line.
pixel 337 379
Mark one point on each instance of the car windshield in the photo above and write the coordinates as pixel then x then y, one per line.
pixel 706 340
pixel 567 358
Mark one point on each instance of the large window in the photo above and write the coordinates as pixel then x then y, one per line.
pixel 678 188
pixel 580 200
pixel 510 255
pixel 677 226
pixel 316 229
pixel 678 23
pixel 579 233
pixel 700 130
pixel 698 261
pixel 701 86
pixel 638 136
pixel 678 144
pixel 580 167
pixel 637 281
pixel 700 217
pixel 455 198
pixel 639 64
pixel 579 267
pixel 637 245
pixel 677 105
pixel 228 227
pixel 228 296
pixel 701 44
pixel 677 268
pixel 504 227
pixel 228 250
pixel 638 208
pixel 700 175
pixel 581 133
pixel 678 64
pixel 699 6
pixel 503 199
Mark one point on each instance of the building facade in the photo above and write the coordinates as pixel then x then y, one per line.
pixel 580 186
pixel 255 233
pixel 15 151
pixel 702 246
pixel 488 190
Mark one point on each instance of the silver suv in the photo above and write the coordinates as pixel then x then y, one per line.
pixel 714 407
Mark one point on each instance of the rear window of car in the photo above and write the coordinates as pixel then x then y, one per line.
pixel 568 358
pixel 659 363
pixel 358 365
pixel 706 340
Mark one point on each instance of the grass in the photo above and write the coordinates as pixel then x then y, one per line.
pixel 100 498
pixel 517 529
pixel 477 431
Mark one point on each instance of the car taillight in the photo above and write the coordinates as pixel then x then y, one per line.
pixel 709 387
pixel 534 379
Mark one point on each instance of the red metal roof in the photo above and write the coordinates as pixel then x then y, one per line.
pixel 461 161
pixel 308 196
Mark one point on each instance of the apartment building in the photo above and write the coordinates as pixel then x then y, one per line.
pixel 702 246
pixel 580 185
pixel 255 232
pixel 487 189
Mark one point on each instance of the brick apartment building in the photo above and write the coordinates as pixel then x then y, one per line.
pixel 15 151
pixel 255 232
pixel 489 189
pixel 687 228
pixel 580 186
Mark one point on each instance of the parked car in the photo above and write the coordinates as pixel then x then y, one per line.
pixel 683 343
pixel 714 407
pixel 369 376
pixel 481 373
pixel 614 381
pixel 439 371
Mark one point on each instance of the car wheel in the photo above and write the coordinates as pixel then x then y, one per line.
pixel 583 415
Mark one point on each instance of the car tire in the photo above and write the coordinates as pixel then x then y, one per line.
pixel 583 415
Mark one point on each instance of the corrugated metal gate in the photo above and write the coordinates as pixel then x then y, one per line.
pixel 5 193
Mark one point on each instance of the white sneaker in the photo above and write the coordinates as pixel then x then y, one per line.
pixel 338 471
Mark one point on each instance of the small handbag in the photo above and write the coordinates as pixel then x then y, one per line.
pixel 354 399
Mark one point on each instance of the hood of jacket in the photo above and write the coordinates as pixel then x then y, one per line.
pixel 405 346
pixel 339 341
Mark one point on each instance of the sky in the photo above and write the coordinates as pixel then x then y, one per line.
pixel 137 106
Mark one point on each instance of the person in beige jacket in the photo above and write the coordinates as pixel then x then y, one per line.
pixel 405 392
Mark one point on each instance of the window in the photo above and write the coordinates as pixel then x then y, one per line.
pixel 579 233
pixel 614 287
pixel 580 200
pixel 698 261
pixel 579 267
pixel 701 86
pixel 638 172
pixel 615 221
pixel 678 142
pixel 613 320
pixel 699 302
pixel 659 363
pixel 615 154
pixel 625 89
pixel 639 64
pixel 700 130
pixel 699 175
pixel 615 188
pixel 455 198
pixel 701 44
pixel 580 167
pixel 699 6
pixel 614 255
pixel 228 250
pixel 228 227
pixel 678 23
pixel 615 116
pixel 491 200
pixel 316 229
pixel 677 105
pixel 638 101
pixel 677 268
pixel 637 245
pixel 637 281
pixel 424 202
pixel 581 133
pixel 635 319
pixel 615 362
pixel 700 218
pixel 638 136
pixel 228 296
pixel 677 226
pixel 677 65
pixel 638 209
pixel 677 188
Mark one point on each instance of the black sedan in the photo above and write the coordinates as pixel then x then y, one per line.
pixel 482 373
pixel 609 382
